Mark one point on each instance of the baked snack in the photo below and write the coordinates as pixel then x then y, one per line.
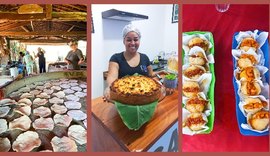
pixel 194 72
pixel 197 59
pixel 246 60
pixel 250 73
pixel 135 90
pixel 195 121
pixel 259 121
pixel 250 88
pixel 196 104
pixel 197 41
pixel 254 105
pixel 173 64
pixel 249 42
pixel 191 89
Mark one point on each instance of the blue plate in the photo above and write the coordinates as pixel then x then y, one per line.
pixel 240 116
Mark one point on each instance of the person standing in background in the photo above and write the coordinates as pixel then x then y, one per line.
pixel 21 67
pixel 74 57
pixel 21 55
pixel 29 62
pixel 41 60
pixel 4 59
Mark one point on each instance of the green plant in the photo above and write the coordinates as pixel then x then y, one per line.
pixel 170 76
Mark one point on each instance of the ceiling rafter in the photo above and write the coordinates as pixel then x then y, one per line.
pixel 13 25
pixel 44 33
pixel 70 28
pixel 49 26
pixel 56 16
pixel 49 11
pixel 25 29
pixel 78 8
pixel 77 24
pixel 63 8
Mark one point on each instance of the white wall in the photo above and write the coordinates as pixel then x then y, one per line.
pixel 171 31
pixel 158 34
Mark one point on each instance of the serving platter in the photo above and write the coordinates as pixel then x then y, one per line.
pixel 241 119
pixel 210 94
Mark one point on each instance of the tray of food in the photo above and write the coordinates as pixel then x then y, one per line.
pixel 135 98
pixel 251 81
pixel 44 116
pixel 198 82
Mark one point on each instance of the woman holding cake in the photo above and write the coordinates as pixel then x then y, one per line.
pixel 129 61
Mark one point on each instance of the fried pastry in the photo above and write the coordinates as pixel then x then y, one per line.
pixel 246 60
pixel 259 121
pixel 250 88
pixel 196 104
pixel 191 89
pixel 194 72
pixel 195 121
pixel 250 73
pixel 197 41
pixel 197 59
pixel 254 105
pixel 248 43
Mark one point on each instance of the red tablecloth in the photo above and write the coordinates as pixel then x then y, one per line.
pixel 225 135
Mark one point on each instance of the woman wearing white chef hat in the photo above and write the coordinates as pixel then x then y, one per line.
pixel 129 61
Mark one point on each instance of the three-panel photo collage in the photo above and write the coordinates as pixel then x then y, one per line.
pixel 150 77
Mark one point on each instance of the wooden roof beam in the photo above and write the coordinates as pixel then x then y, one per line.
pixel 45 41
pixel 49 11
pixel 63 8
pixel 25 29
pixel 44 33
pixel 23 38
pixel 65 38
pixel 70 28
pixel 56 16
pixel 32 26
pixel 7 23
pixel 13 25
pixel 76 7
pixel 49 25
pixel 76 24
pixel 70 16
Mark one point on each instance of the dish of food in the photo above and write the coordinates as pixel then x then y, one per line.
pixel 135 90
pixel 32 117
pixel 198 96
pixel 249 73
pixel 248 43
pixel 196 104
pixel 259 120
pixel 197 59
pixel 253 105
pixel 250 88
pixel 200 42
pixel 195 121
pixel 246 60
pixel 191 89
pixel 194 71
pixel 250 84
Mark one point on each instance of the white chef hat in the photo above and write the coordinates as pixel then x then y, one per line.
pixel 130 28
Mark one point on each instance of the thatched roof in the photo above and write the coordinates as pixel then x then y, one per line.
pixel 57 23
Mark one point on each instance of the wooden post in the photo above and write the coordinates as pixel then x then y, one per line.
pixel 49 11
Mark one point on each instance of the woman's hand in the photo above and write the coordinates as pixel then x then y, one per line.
pixel 162 72
pixel 106 94
pixel 80 62
pixel 68 62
